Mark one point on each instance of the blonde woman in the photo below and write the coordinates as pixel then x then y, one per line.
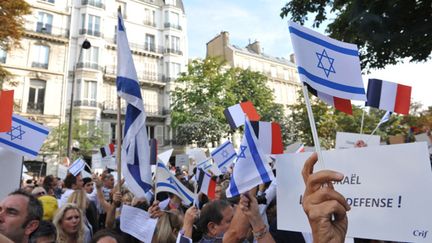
pixel 69 224
pixel 79 198
pixel 168 227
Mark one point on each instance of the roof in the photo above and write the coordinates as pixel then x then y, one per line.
pixel 246 51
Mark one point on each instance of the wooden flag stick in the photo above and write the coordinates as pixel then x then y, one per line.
pixel 118 141
pixel 312 125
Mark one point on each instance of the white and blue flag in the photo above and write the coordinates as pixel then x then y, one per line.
pixel 167 182
pixel 77 166
pixel 135 151
pixel 327 65
pixel 251 168
pixel 385 118
pixel 25 138
pixel 224 156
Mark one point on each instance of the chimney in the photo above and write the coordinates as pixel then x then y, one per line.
pixel 255 47
pixel 225 37
pixel 292 58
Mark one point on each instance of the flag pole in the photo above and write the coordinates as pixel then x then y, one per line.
pixel 362 121
pixel 118 141
pixel 312 125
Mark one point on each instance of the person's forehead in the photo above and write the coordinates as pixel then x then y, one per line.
pixel 18 202
pixel 228 212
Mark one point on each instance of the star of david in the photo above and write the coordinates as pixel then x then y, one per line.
pixel 327 65
pixel 242 151
pixel 16 133
pixel 225 154
pixel 171 180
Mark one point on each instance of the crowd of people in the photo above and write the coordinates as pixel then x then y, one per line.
pixel 88 209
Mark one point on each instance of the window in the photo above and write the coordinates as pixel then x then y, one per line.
pixel 172 20
pixel 2 55
pixel 273 72
pixel 36 97
pixel 40 56
pixel 173 69
pixel 49 1
pixel 170 2
pixel 93 25
pixel 89 93
pixel 150 42
pixel 149 17
pixel 90 58
pixel 122 6
pixel 175 43
pixel 44 24
pixel 159 135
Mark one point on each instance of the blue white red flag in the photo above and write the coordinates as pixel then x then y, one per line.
pixel 25 138
pixel 327 65
pixel 167 182
pixel 389 96
pixel 251 167
pixel 135 151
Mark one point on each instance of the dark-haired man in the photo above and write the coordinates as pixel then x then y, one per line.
pixel 215 220
pixel 20 214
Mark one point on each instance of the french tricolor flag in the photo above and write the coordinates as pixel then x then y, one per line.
pixel 107 150
pixel 388 96
pixel 206 184
pixel 269 136
pixel 236 114
pixel 339 104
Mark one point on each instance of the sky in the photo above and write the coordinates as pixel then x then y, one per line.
pixel 250 20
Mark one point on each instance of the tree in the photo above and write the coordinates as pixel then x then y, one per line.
pixel 88 137
pixel 12 27
pixel 208 87
pixel 385 31
pixel 330 121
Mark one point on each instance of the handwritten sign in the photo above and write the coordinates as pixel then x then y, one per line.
pixel 388 188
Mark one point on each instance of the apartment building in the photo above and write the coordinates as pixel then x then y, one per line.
pixel 51 57
pixel 282 73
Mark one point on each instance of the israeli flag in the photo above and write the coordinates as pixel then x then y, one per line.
pixel 25 138
pixel 251 168
pixel 167 182
pixel 224 155
pixel 77 166
pixel 135 151
pixel 385 118
pixel 327 65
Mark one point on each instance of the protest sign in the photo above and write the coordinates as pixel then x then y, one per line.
pixel 10 173
pixel 198 154
pixel 97 161
pixel 62 171
pixel 346 140
pixel 165 156
pixel 388 188
pixel 182 160
pixel 423 137
pixel 137 223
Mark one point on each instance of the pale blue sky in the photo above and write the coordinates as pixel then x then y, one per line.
pixel 259 20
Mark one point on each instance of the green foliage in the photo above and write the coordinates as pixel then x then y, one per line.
pixel 385 31
pixel 89 138
pixel 206 90
pixel 329 121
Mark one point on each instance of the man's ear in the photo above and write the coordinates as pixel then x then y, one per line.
pixel 31 227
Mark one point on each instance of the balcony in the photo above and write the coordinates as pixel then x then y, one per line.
pixel 174 51
pixel 174 26
pixel 47 31
pixel 89 65
pixel 40 65
pixel 94 3
pixel 35 108
pixel 143 76
pixel 88 103
pixel 90 32
pixel 150 23
pixel 150 110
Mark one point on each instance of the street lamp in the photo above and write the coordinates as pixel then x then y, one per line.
pixel 85 45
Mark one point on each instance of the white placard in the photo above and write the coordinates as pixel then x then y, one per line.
pixel 292 148
pixel 346 140
pixel 197 154
pixel 137 223
pixel 97 161
pixel 62 171
pixel 182 159
pixel 388 188
pixel 165 156
pixel 10 172
pixel 423 137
